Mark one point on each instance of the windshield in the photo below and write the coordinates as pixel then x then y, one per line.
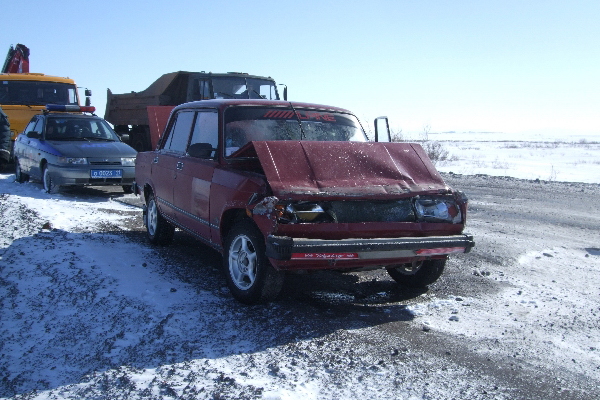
pixel 37 93
pixel 245 124
pixel 244 88
pixel 79 129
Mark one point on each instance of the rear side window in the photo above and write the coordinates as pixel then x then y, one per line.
pixel 179 132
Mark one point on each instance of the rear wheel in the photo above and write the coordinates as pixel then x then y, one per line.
pixel 250 276
pixel 418 274
pixel 50 185
pixel 19 175
pixel 127 189
pixel 159 231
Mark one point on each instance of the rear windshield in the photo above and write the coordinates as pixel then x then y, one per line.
pixel 245 124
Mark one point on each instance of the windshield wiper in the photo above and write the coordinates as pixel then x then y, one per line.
pixel 67 139
pixel 99 139
pixel 225 94
pixel 260 96
pixel 302 133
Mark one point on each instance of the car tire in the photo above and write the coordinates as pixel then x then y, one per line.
pixel 19 175
pixel 158 230
pixel 127 189
pixel 49 183
pixel 419 274
pixel 250 276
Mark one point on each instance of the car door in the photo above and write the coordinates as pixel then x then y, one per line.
pixel 167 159
pixel 194 176
pixel 29 156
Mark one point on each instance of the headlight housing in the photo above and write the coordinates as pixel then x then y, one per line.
pixel 128 161
pixel 440 209
pixel 437 209
pixel 72 160
pixel 302 212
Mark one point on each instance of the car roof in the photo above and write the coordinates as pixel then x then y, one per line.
pixel 70 115
pixel 224 103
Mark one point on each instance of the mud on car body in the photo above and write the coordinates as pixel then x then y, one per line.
pixel 63 148
pixel 279 186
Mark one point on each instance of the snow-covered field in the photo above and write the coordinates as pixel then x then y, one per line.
pixel 89 310
pixel 549 157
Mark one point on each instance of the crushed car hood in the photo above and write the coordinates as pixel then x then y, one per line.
pixel 360 169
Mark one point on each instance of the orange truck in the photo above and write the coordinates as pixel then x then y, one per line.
pixel 24 94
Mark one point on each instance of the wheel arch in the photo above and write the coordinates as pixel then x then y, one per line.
pixel 147 190
pixel 230 218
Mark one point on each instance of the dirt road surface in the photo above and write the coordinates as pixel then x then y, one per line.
pixel 93 311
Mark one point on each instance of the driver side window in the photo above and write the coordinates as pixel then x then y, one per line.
pixel 32 126
pixel 179 132
pixel 205 129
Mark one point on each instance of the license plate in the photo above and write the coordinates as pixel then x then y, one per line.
pixel 106 173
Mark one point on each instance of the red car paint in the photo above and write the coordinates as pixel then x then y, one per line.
pixel 364 196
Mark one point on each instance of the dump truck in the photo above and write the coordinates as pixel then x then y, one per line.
pixel 143 115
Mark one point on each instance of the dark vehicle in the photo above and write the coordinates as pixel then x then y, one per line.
pixel 143 115
pixel 69 149
pixel 279 186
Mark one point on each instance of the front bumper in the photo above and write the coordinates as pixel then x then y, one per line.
pixel 81 175
pixel 285 248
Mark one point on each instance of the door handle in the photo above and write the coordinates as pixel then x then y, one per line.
pixel 179 165
pixel 155 160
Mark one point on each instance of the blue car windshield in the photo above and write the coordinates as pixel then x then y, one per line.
pixel 79 129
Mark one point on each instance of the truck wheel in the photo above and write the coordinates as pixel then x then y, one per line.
pixel 250 276
pixel 19 175
pixel 419 274
pixel 50 185
pixel 159 231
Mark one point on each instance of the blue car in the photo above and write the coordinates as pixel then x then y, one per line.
pixel 73 149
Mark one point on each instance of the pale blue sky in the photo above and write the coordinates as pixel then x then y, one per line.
pixel 452 65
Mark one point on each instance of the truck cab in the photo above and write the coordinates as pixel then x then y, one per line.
pixel 142 115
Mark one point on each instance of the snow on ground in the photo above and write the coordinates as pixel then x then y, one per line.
pixel 538 156
pixel 90 314
pixel 83 305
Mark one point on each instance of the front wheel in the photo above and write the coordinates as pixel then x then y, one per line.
pixel 158 230
pixel 50 185
pixel 19 175
pixel 250 276
pixel 417 274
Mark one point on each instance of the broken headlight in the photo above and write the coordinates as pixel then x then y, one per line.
pixel 437 209
pixel 302 212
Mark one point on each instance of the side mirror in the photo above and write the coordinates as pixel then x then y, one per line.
pixel 124 137
pixel 34 135
pixel 284 91
pixel 382 130
pixel 200 150
pixel 88 94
